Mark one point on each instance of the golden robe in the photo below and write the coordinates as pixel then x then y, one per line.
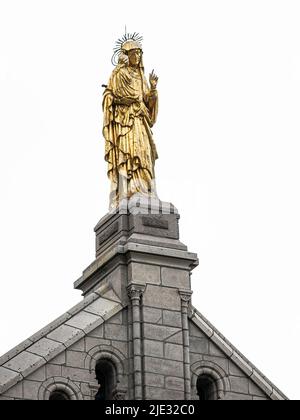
pixel 129 147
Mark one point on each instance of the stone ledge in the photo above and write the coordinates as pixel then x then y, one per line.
pixel 25 363
pixel 8 379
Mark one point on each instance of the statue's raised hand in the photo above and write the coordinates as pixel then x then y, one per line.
pixel 153 79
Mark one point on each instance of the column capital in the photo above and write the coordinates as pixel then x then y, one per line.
pixel 185 295
pixel 135 291
pixel 119 394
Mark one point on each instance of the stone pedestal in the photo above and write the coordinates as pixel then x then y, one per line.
pixel 140 257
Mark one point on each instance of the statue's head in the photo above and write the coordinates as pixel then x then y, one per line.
pixel 134 57
pixel 129 51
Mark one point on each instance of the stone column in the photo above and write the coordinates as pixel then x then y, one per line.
pixel 135 293
pixel 185 301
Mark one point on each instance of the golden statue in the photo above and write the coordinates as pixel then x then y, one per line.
pixel 130 109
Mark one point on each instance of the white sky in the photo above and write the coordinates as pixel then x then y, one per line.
pixel 228 139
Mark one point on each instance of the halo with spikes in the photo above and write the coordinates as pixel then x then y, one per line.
pixel 119 44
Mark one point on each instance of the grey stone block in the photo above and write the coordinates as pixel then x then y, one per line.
pixel 163 366
pixel 199 345
pixel 152 379
pixel 75 359
pixel 112 312
pixel 111 283
pixel 78 375
pixel 101 307
pixel 242 364
pixel 115 332
pixel 262 383
pixel 235 370
pixel 159 394
pixel 159 332
pixel 195 331
pixel 97 332
pixel 25 363
pixel 152 315
pixel 15 391
pixel 161 255
pixel 86 390
pixel 174 352
pixel 31 390
pixel 194 358
pixel 66 335
pixel 144 273
pixel 215 351
pixel 59 360
pixel 91 342
pixel 122 346
pixel 239 385
pixel 117 319
pixel 153 348
pixel 222 345
pixel 8 378
pixel 112 295
pixel 176 338
pixel 275 396
pixel 79 346
pixel 222 362
pixel 204 327
pixel 255 390
pixel 39 375
pixel 53 370
pixel 157 225
pixel 162 298
pixel 49 328
pixel 16 350
pixel 85 321
pixel 172 277
pixel 231 396
pixel 157 241
pixel 175 383
pixel 46 348
pixel 173 319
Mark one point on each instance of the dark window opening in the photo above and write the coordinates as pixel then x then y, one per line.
pixel 58 395
pixel 106 377
pixel 206 388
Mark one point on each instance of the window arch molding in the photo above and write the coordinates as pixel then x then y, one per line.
pixel 117 360
pixel 108 353
pixel 212 371
pixel 59 384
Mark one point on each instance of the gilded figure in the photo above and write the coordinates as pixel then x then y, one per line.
pixel 130 107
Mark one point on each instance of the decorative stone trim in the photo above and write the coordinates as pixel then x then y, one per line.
pixel 105 352
pixel 135 292
pixel 215 372
pixel 119 394
pixel 59 384
pixel 108 353
pixel 186 297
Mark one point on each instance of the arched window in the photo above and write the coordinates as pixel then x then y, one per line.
pixel 106 376
pixel 206 388
pixel 58 396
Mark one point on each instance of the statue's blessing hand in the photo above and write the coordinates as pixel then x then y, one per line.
pixel 153 80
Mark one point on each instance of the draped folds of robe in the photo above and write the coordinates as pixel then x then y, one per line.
pixel 129 147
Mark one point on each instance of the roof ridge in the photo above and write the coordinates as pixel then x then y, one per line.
pixel 236 356
pixel 59 335
pixel 48 328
